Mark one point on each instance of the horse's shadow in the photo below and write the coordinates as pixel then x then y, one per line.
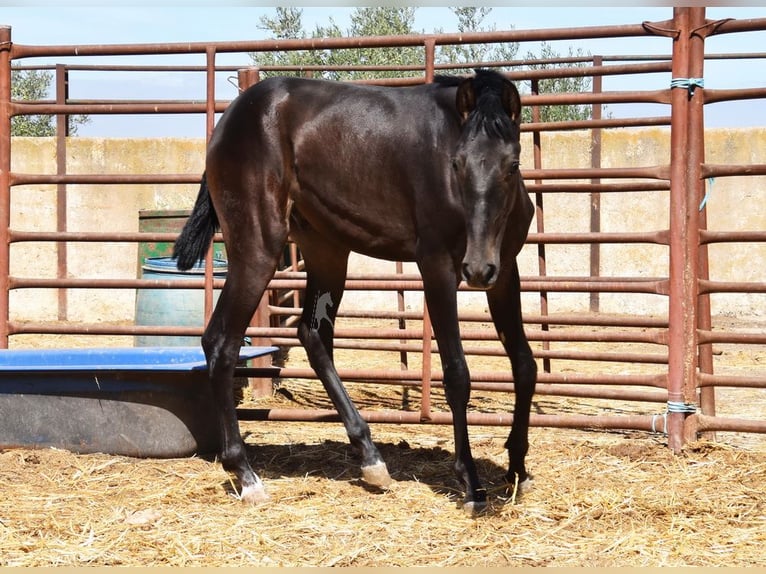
pixel 335 460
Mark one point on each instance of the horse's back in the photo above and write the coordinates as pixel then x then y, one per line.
pixel 354 161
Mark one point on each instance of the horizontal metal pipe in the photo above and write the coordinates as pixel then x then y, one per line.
pixel 595 388
pixel 727 170
pixel 715 96
pixel 651 172
pixel 707 337
pixel 381 375
pixel 581 98
pixel 741 381
pixel 18 327
pixel 102 178
pixel 625 422
pixel 410 67
pixel 593 124
pixel 90 236
pixel 551 186
pixel 707 237
pixel 707 286
pixel 547 34
pixel 16 236
pixel 650 237
pixel 551 284
pixel 707 423
pixel 137 107
pixel 600 319
pixel 567 355
pixel 37 328
pixel 733 25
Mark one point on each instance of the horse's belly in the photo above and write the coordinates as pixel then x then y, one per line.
pixel 373 227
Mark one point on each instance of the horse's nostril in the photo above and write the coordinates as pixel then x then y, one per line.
pixel 481 276
pixel 466 272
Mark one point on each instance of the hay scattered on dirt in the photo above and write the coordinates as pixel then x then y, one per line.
pixel 600 499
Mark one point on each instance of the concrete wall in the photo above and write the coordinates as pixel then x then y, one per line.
pixel 734 203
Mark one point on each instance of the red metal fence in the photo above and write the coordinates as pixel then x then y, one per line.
pixel 681 388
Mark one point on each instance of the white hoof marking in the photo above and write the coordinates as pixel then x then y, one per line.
pixel 254 495
pixel 376 475
pixel 526 486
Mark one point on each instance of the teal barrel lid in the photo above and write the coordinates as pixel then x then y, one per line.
pixel 168 265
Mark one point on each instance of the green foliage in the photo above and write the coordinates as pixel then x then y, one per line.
pixel 389 21
pixel 559 85
pixel 470 20
pixel 378 21
pixel 365 21
pixel 34 85
pixel 285 25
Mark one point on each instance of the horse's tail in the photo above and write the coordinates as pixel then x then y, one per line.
pixel 195 237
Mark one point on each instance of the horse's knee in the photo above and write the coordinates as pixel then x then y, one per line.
pixel 457 384
pixel 524 369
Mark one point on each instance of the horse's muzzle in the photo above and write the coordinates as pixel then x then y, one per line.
pixel 480 276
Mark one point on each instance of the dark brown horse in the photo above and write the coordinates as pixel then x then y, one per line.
pixel 427 174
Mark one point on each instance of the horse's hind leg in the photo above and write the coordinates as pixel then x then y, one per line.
pixel 505 306
pixel 251 265
pixel 326 274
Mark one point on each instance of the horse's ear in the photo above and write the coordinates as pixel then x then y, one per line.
pixel 465 99
pixel 512 102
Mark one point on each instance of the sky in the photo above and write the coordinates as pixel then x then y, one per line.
pixel 58 23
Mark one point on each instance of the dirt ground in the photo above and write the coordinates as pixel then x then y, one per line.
pixel 600 498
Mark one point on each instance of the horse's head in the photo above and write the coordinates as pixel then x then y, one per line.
pixel 486 165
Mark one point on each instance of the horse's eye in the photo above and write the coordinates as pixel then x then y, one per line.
pixel 455 164
pixel 514 167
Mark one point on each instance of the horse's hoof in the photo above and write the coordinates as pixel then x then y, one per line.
pixel 376 475
pixel 526 485
pixel 254 495
pixel 516 489
pixel 474 507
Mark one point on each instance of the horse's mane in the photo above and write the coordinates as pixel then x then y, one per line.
pixel 448 81
pixel 489 115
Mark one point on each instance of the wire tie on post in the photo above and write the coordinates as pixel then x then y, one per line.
pixel 664 423
pixel 688 83
pixel 673 407
pixel 678 407
pixel 708 189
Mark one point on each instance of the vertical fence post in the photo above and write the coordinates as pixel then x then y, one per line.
pixel 702 355
pixel 682 332
pixel 209 125
pixel 595 196
pixel 5 179
pixel 430 59
pixel 540 221
pixel 62 132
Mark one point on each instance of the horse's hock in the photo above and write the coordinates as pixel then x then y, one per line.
pixel 642 278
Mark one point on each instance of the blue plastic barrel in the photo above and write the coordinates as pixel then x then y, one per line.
pixel 172 307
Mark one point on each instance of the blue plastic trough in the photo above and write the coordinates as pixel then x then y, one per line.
pixel 146 402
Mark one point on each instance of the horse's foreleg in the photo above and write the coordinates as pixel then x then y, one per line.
pixel 505 306
pixel 326 274
pixel 440 286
